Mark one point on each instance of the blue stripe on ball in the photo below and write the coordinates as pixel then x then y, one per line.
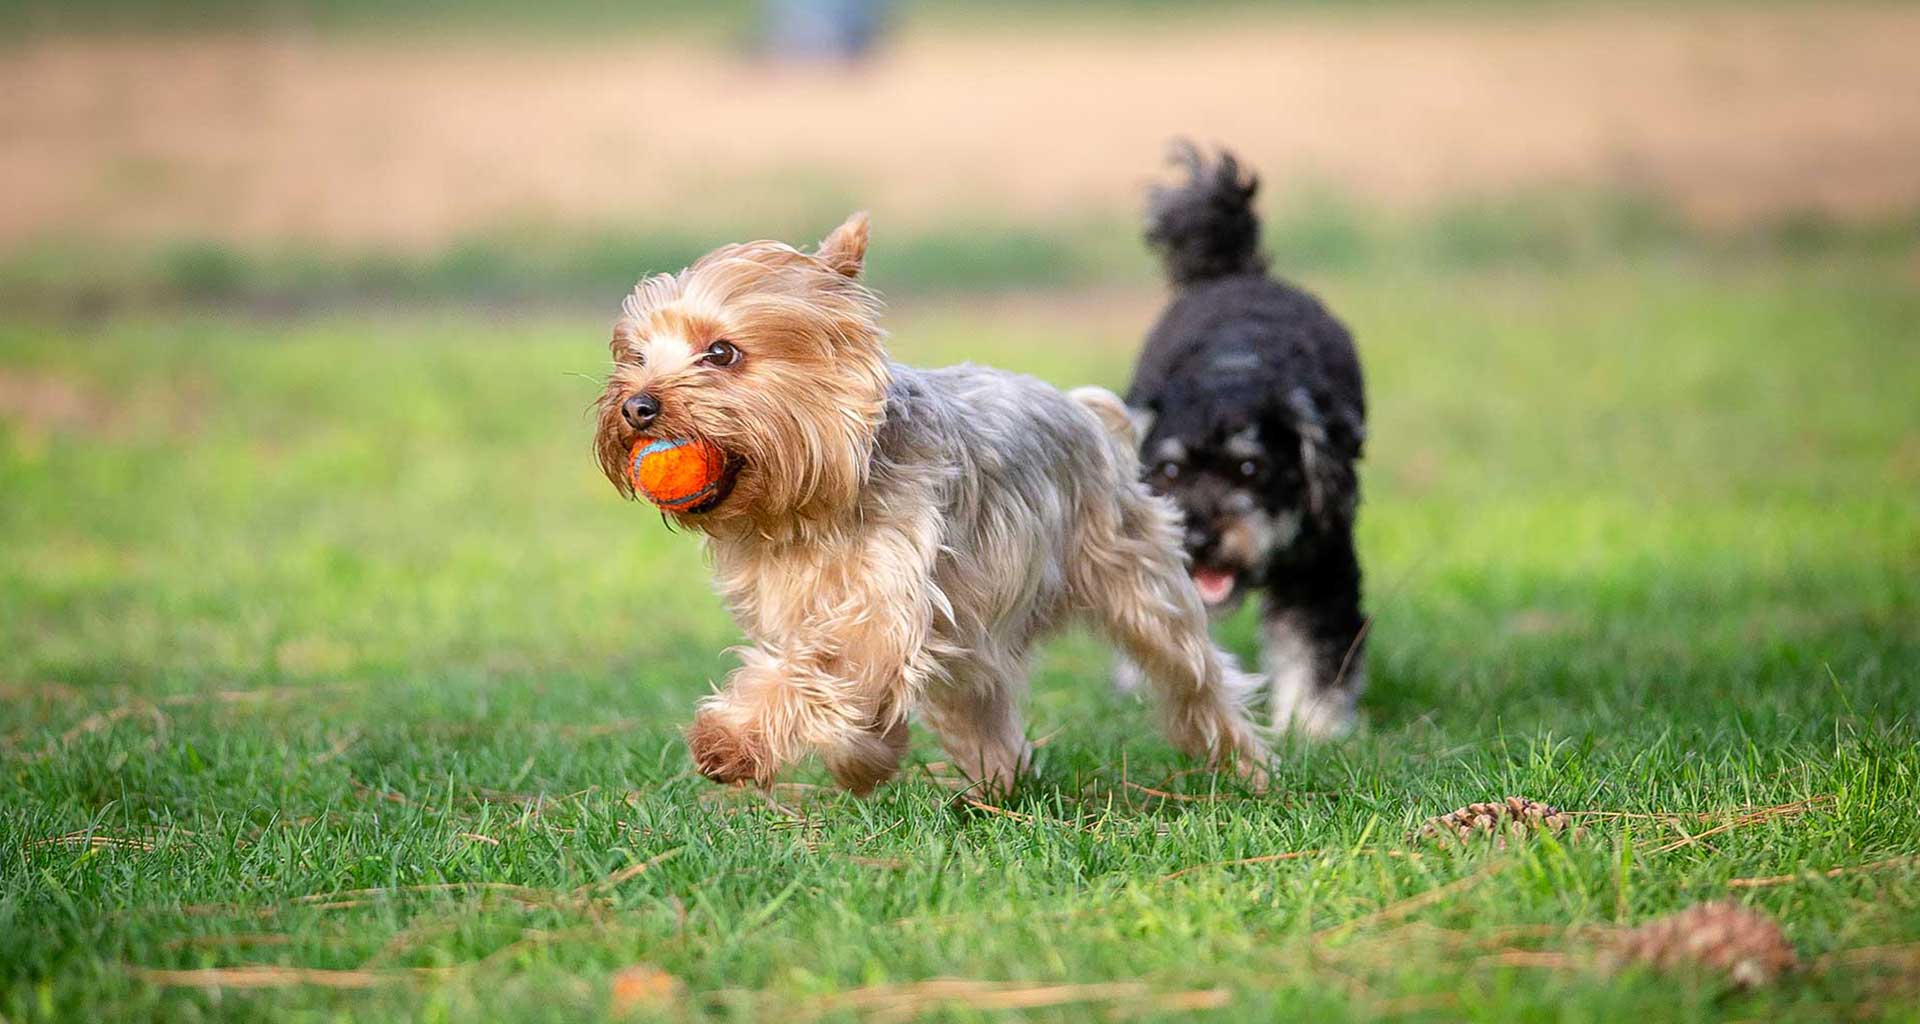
pixel 654 448
pixel 667 445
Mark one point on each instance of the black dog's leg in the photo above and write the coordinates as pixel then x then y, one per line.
pixel 1313 638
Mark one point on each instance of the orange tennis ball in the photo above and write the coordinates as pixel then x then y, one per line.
pixel 677 475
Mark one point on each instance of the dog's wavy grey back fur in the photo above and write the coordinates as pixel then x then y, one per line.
pixel 1040 517
pixel 1008 461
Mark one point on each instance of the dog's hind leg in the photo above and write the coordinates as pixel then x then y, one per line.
pixel 1128 571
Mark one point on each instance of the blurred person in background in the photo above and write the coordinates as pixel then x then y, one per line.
pixel 822 31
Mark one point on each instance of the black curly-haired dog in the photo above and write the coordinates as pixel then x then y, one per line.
pixel 1252 414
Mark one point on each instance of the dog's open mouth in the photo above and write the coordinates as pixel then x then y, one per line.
pixel 1215 585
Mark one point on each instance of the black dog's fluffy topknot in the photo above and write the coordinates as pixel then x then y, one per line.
pixel 1206 228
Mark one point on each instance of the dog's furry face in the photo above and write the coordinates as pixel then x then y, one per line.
pixel 1234 467
pixel 772 355
pixel 1250 390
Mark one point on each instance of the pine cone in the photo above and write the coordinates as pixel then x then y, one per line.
pixel 1514 818
pixel 1745 945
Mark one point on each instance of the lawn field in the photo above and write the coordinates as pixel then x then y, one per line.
pixel 336 684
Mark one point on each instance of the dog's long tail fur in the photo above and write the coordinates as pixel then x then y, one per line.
pixel 1205 228
pixel 1114 418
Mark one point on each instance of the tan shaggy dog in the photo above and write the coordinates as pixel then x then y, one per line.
pixel 893 540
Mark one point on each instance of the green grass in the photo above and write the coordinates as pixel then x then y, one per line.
pixel 526 267
pixel 1309 230
pixel 308 607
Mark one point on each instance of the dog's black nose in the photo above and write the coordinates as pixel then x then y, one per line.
pixel 1198 538
pixel 640 410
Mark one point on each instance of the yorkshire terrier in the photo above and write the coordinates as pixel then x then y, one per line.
pixel 894 540
pixel 1253 414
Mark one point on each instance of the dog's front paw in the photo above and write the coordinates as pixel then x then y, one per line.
pixel 727 751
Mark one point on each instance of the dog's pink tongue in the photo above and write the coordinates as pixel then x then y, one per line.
pixel 1214 584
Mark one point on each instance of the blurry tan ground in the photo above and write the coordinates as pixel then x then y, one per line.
pixel 352 140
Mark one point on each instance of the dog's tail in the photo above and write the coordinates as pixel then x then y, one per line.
pixel 1205 228
pixel 1118 423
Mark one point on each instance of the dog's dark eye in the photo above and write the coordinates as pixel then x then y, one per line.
pixel 721 353
pixel 1168 471
pixel 1250 469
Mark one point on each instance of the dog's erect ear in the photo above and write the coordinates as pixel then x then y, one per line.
pixel 845 250
pixel 1317 464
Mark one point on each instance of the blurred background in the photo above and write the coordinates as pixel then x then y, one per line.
pixel 288 156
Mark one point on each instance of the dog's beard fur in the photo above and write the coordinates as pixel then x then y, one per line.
pixel 1237 523
pixel 896 539
pixel 796 415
